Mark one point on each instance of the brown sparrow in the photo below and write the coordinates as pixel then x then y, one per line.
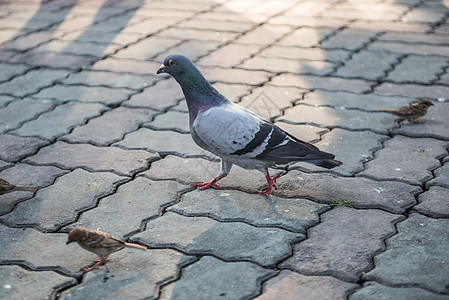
pixel 411 112
pixel 6 187
pixel 100 243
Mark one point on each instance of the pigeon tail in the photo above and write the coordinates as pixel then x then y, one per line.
pixel 326 163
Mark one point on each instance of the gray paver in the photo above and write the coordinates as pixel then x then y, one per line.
pixel 30 285
pixel 228 75
pixel 123 162
pixel 4 100
pixel 434 125
pixel 406 71
pixel 133 203
pixel 229 55
pixel 273 64
pixel 412 90
pixel 420 49
pixel 125 66
pixel 111 126
pixel 434 202
pixel 234 92
pixel 305 37
pixel 79 48
pixel 58 205
pixel 15 148
pixel 11 70
pixel 193 49
pixel 349 39
pixel 53 60
pixel 160 96
pixel 26 175
pixel 339 117
pixel 59 121
pixel 291 214
pixel 265 34
pixel 394 197
pixel 416 255
pixel 352 100
pixel 173 120
pixel 393 162
pixel 217 280
pixel 373 290
pixel 441 176
pixel 353 148
pixel 84 93
pixel 228 240
pixel 289 285
pixel 126 273
pixel 147 48
pixel 343 251
pixel 305 53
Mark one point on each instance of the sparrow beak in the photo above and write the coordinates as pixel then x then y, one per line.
pixel 161 69
pixel 68 242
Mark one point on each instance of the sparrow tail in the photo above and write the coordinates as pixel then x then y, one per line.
pixel 25 188
pixel 386 110
pixel 131 245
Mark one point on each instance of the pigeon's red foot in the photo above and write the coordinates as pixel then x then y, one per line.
pixel 271 183
pixel 206 185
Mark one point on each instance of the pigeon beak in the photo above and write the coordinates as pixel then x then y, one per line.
pixel 161 69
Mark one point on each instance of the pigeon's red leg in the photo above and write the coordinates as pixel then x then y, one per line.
pixel 209 184
pixel 271 183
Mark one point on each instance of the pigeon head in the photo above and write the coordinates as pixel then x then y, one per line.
pixel 176 65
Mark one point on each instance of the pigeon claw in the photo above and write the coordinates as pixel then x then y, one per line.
pixel 206 185
pixel 271 183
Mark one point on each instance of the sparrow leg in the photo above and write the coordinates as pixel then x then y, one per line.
pixel 271 183
pixel 99 262
pixel 225 169
pixel 96 266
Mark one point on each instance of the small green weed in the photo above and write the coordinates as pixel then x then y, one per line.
pixel 341 203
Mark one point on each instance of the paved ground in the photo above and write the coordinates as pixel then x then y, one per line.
pixel 84 118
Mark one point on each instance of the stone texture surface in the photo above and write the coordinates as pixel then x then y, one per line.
pixel 343 251
pixel 227 240
pixel 291 285
pixel 416 255
pixel 394 161
pixel 86 120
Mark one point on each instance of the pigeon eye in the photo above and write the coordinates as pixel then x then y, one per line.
pixel 171 62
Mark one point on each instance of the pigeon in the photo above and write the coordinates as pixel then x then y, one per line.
pixel 6 187
pixel 235 134
pixel 98 242
pixel 411 112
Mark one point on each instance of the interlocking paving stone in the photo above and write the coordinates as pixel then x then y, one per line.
pixel 264 35
pixel 273 64
pixel 19 111
pixel 327 83
pixel 147 48
pixel 291 214
pixel 348 14
pixel 349 39
pixel 241 76
pixel 229 55
pixel 268 101
pixel 192 49
pixel 160 96
pixel 31 82
pixel 11 70
pixel 398 47
pixel 353 148
pixel 412 90
pixel 173 120
pixel 111 126
pixel 291 285
pixel 373 290
pixel 306 133
pixel 195 34
pixel 390 26
pixel 228 240
pixel 163 142
pixel 14 148
pixel 416 255
pixel 406 71
pixel 336 55
pixel 4 164
pixel 58 204
pixel 394 161
pixel 29 41
pixel 59 121
pixel 306 20
pixel 79 48
pixel 53 60
pixel 4 100
pixel 126 66
pixel 113 159
pixel 217 280
pixel 133 203
pixel 151 25
pixel 101 37
pixel 26 175
pixel 423 15
pixel 127 272
pixel 188 170
pixel 368 64
pixel 30 285
pixel 434 202
pixel 441 176
pixel 234 92
pixel 218 25
pixel 110 79
pixel 339 117
pixel 427 38
pixel 305 37
pixel 352 100
pixel 343 251
pixel 391 196
pixel 84 93
pixel 434 125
